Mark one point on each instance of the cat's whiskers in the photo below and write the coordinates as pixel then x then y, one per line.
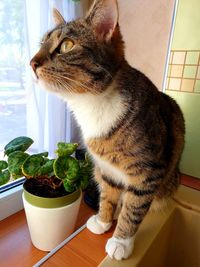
pixel 59 81
pixel 82 85
pixel 61 84
pixel 67 86
pixel 82 82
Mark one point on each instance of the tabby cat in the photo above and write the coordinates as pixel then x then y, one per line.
pixel 134 133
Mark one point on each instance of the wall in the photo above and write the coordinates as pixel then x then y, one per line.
pixel 145 26
pixel 183 82
pixel 187 31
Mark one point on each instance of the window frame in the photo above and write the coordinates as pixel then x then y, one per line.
pixel 11 201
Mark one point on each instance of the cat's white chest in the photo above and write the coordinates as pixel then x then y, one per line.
pixel 96 114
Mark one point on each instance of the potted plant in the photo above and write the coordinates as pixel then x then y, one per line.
pixel 52 189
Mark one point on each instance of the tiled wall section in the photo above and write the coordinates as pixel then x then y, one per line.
pixel 184 71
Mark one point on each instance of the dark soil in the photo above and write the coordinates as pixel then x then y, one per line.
pixel 37 188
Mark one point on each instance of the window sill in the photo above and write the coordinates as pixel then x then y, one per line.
pixel 11 201
pixel 16 248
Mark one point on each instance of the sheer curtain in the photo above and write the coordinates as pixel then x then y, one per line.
pixel 48 119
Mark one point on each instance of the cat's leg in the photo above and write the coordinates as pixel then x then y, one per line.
pixel 135 206
pixel 109 197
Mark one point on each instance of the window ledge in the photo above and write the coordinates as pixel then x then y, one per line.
pixel 15 237
pixel 11 201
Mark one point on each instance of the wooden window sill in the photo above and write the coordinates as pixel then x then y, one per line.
pixel 190 181
pixel 16 248
pixel 84 250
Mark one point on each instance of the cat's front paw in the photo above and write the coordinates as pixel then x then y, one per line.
pixel 96 226
pixel 118 248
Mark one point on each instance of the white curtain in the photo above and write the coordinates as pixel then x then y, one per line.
pixel 48 120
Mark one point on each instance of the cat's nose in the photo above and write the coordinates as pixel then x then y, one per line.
pixel 34 64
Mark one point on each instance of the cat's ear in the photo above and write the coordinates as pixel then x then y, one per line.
pixel 103 16
pixel 58 18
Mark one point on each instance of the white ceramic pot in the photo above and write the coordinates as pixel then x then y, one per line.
pixel 50 221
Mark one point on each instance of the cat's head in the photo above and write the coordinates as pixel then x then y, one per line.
pixel 82 55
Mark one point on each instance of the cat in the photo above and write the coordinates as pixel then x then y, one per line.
pixel 134 132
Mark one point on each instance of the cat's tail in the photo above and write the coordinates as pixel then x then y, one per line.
pixel 166 192
pixel 159 205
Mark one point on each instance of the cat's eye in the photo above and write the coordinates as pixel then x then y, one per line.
pixel 66 46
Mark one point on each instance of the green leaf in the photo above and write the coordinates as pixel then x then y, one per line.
pixel 4 177
pixel 21 143
pixel 84 181
pixel 47 168
pixel 3 165
pixel 66 167
pixel 66 149
pixel 15 162
pixel 69 186
pixel 73 169
pixel 32 165
pixel 43 154
pixel 86 171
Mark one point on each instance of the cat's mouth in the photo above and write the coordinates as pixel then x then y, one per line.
pixel 34 75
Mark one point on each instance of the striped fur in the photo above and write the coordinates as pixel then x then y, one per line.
pixel 134 133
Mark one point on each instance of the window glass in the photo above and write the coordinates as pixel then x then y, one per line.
pixel 12 72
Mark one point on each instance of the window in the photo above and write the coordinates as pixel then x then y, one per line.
pixel 12 72
pixel 26 109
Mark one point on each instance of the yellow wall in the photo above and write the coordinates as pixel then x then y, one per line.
pixel 187 37
pixel 187 30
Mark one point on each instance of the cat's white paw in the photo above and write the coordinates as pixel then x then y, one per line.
pixel 118 248
pixel 96 226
